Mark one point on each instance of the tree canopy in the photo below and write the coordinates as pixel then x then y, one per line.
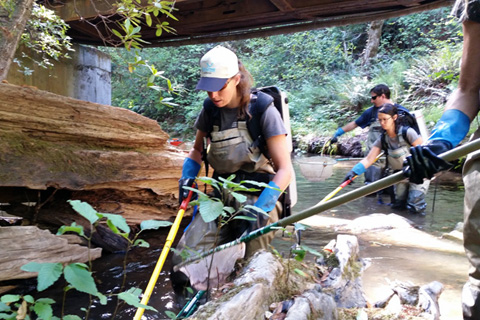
pixel 321 71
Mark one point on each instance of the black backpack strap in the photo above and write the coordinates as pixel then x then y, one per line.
pixel 213 118
pixel 213 114
pixel 404 135
pixel 384 143
pixel 259 103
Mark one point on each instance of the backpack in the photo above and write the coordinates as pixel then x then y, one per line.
pixel 406 119
pixel 262 99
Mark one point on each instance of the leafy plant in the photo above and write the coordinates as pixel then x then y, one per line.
pixel 45 36
pixel 14 306
pixel 212 208
pixel 79 276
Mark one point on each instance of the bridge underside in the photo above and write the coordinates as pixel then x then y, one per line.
pixel 205 21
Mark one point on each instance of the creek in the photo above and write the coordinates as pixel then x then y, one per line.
pixel 393 262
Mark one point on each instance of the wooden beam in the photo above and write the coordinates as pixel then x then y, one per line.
pixel 282 5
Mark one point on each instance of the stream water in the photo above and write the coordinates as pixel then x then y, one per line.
pixel 392 262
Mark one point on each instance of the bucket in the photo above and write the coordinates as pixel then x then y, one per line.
pixel 316 168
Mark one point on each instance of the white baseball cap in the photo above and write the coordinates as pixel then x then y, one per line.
pixel 217 66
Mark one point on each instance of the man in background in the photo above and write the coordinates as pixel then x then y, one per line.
pixel 379 95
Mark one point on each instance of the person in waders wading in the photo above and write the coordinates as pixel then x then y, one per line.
pixel 223 122
pixel 379 95
pixel 396 140
pixel 454 124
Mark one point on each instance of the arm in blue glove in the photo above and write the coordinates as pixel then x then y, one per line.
pixel 337 134
pixel 357 170
pixel 449 131
pixel 266 202
pixel 190 171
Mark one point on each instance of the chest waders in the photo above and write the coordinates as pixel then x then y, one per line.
pixel 395 157
pixel 373 173
pixel 233 149
pixel 408 195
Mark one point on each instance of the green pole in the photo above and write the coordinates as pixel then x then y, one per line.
pixel 323 206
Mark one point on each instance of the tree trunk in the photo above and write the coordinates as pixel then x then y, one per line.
pixel 12 25
pixel 373 41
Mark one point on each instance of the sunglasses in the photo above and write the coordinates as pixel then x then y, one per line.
pixel 374 97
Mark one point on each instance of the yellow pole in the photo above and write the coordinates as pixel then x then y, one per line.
pixel 343 185
pixel 163 256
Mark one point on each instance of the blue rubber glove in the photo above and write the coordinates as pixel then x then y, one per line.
pixel 266 202
pixel 449 131
pixel 337 134
pixel 452 127
pixel 190 171
pixel 357 170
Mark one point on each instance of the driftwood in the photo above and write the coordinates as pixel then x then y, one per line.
pixel 21 245
pixel 105 154
pixel 55 148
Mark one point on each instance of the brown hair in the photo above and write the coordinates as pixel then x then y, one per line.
pixel 380 89
pixel 391 110
pixel 243 90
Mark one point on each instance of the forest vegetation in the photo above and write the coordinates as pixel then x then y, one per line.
pixel 324 73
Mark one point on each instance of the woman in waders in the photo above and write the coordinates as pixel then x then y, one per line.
pixel 396 141
pixel 223 121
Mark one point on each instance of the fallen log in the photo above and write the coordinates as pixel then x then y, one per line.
pixel 33 244
pixel 55 148
pixel 103 154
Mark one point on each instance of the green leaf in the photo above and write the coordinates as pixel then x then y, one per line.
pixel 148 19
pixel 127 24
pixel 312 251
pixel 46 300
pixel 80 278
pixel 154 224
pixel 132 297
pixel 258 184
pixel 300 272
pixel 4 307
pixel 240 197
pixel 43 311
pixel 200 194
pixel 118 34
pixel 72 228
pixel 211 209
pixel 118 221
pixel 29 298
pixel 103 299
pixel 71 317
pixel 48 273
pixel 9 298
pixel 8 316
pixel 170 314
pixel 136 30
pixel 229 210
pixel 85 210
pixel 242 217
pixel 141 243
pixel 299 254
pixel 31 267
